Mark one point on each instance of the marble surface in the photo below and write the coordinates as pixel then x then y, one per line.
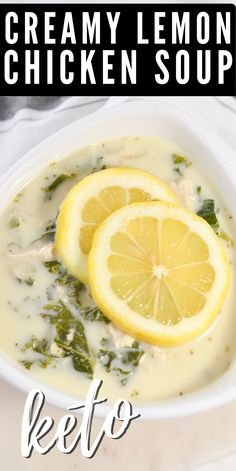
pixel 205 442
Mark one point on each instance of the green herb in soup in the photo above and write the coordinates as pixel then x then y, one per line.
pixel 29 280
pixel 69 340
pixel 198 190
pixel 207 212
pixel 49 234
pixel 180 159
pixel 70 337
pixel 74 288
pixel 181 163
pixel 14 222
pixel 128 357
pixel 224 236
pixel 42 347
pixel 49 190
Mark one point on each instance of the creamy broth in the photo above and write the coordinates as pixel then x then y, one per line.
pixel 27 285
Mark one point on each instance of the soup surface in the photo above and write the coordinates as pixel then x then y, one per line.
pixel 34 286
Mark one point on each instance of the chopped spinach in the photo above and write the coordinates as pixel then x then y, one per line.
pixel 207 212
pixel 46 361
pixel 71 341
pixel 49 233
pixel 72 285
pixel 93 314
pixel 132 355
pixel 224 236
pixel 123 374
pixel 38 346
pixel 58 181
pixel 128 356
pixel 42 363
pixel 19 196
pixel 180 159
pixel 69 337
pixel 177 170
pixel 106 357
pixel 53 266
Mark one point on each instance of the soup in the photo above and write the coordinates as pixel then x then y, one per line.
pixel 37 291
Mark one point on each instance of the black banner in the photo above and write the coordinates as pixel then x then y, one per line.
pixel 117 49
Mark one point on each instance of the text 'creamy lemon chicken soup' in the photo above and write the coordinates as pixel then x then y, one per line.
pixel 118 262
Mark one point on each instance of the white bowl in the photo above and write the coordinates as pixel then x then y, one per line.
pixel 132 117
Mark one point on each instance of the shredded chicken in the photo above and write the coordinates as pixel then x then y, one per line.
pixel 46 253
pixel 120 340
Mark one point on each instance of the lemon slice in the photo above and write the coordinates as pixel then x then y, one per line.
pixel 93 199
pixel 159 272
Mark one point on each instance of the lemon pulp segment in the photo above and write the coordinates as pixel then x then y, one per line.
pixel 159 272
